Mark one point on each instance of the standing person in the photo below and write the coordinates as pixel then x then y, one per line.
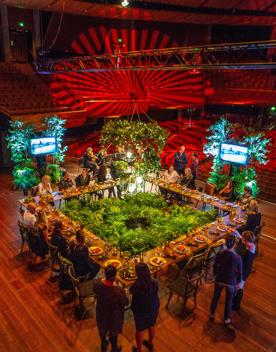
pixel 111 300
pixel 228 271
pixel 83 179
pixel 180 160
pixel 145 306
pixel 194 167
pixel 44 187
pixel 247 250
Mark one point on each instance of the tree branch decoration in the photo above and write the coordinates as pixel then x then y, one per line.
pixel 25 172
pixel 224 131
pixel 145 140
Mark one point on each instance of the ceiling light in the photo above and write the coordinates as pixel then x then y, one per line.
pixel 125 3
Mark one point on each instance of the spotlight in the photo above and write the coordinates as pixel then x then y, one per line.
pixel 125 3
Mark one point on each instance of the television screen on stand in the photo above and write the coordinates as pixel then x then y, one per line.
pixel 234 153
pixel 43 146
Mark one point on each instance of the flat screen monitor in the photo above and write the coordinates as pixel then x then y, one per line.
pixel 234 153
pixel 42 146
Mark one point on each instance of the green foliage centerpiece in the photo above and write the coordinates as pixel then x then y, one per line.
pixel 224 131
pixel 138 222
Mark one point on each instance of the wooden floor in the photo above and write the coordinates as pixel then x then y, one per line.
pixel 32 319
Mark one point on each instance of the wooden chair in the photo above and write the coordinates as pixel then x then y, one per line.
pixel 84 289
pixel 80 164
pixel 209 189
pixel 34 191
pixel 65 282
pixel 24 233
pixel 55 263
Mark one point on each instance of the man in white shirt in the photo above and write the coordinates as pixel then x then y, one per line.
pixel 29 218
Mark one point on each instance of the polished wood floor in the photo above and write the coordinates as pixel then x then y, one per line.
pixel 32 319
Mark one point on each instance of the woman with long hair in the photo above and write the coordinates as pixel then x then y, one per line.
pixel 145 306
pixel 247 250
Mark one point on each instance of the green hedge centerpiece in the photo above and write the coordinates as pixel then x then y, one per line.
pixel 138 222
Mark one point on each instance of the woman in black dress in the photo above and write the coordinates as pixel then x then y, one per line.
pixel 111 300
pixel 145 306
pixel 247 250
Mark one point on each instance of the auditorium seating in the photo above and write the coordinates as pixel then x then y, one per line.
pixel 22 91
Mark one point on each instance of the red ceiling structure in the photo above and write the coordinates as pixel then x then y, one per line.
pixel 118 93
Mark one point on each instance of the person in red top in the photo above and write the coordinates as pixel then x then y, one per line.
pixel 111 300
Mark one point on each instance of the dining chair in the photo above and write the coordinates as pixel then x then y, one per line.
pixel 210 256
pixel 55 263
pixel 186 286
pixel 83 290
pixel 24 233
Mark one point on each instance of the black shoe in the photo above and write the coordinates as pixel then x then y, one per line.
pixel 134 349
pixel 104 346
pixel 211 318
pixel 118 349
pixel 148 344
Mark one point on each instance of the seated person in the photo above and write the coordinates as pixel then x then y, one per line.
pixel 227 192
pixel 90 160
pixel 170 175
pixel 37 237
pixel 65 182
pixel 194 165
pixel 246 199
pixel 253 218
pixel 102 172
pixel 58 240
pixel 44 187
pixel 101 156
pixel 83 179
pixel 79 255
pixel 29 217
pixel 188 179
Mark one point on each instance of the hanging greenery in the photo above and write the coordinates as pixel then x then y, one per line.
pixel 257 144
pixel 145 140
